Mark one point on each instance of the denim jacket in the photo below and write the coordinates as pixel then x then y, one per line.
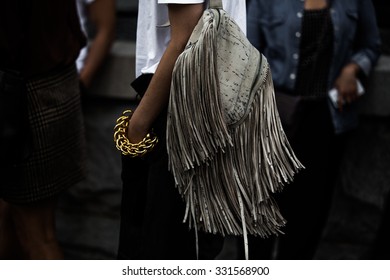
pixel 274 28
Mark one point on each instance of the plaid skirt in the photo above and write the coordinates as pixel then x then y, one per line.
pixel 54 140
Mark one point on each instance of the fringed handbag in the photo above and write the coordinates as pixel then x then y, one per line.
pixel 227 149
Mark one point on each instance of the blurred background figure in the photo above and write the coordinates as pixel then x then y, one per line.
pixel 313 46
pixel 41 125
pixel 97 19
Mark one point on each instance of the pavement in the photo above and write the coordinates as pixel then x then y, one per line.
pixel 88 214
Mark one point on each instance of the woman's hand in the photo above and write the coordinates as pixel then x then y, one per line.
pixel 346 85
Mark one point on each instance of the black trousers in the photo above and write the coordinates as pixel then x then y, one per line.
pixel 152 209
pixel 306 202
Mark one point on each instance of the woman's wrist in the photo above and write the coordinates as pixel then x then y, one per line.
pixel 140 145
pixel 137 129
pixel 351 69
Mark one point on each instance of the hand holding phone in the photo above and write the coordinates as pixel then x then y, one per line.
pixel 334 94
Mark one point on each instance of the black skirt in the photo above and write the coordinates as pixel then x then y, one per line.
pixel 54 141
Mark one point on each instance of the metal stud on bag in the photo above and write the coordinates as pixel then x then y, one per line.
pixel 123 144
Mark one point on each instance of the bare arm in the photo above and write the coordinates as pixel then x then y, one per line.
pixel 102 15
pixel 183 19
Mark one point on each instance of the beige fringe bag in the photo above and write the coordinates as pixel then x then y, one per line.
pixel 227 149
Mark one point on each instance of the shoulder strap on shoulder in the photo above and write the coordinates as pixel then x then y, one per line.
pixel 216 4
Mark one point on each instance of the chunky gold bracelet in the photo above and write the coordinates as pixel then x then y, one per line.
pixel 124 145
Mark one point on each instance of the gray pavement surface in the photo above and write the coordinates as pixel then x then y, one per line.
pixel 88 214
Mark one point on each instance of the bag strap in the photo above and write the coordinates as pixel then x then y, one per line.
pixel 216 4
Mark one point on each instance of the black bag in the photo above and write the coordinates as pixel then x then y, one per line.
pixel 140 84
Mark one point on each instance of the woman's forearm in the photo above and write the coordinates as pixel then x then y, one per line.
pixel 102 15
pixel 155 99
pixel 183 19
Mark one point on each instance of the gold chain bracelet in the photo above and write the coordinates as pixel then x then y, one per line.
pixel 123 144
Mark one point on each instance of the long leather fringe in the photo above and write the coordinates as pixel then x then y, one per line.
pixel 226 174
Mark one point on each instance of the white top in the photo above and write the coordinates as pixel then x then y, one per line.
pixel 153 37
pixel 83 17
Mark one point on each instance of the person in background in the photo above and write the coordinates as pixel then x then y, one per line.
pixel 42 140
pixel 313 46
pixel 98 15
pixel 152 210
